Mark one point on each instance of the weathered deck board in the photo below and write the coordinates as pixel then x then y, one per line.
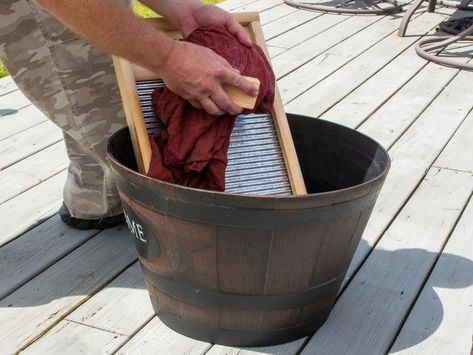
pixel 276 13
pixel 412 155
pixel 308 51
pixel 359 69
pixel 13 102
pixel 7 86
pixel 33 252
pixel 125 298
pixel 77 339
pixel 457 155
pixel 391 120
pixel 442 319
pixel 306 34
pixel 288 23
pixel 274 51
pixel 31 310
pixel 233 5
pixel 357 106
pixel 157 339
pixel 258 6
pixel 334 56
pixel 31 207
pixel 366 317
pixel 32 170
pixel 392 96
pixel 17 121
pixel 21 145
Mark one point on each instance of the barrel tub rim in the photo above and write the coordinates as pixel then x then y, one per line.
pixel 259 201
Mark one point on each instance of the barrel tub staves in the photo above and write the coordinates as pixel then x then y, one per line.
pixel 254 270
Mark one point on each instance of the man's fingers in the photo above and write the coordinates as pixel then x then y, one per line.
pixel 225 103
pixel 234 79
pixel 210 106
pixel 196 104
pixel 225 62
pixel 238 31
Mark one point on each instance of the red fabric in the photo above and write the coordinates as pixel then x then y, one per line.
pixel 192 150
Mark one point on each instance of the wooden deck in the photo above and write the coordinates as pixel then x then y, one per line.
pixel 409 287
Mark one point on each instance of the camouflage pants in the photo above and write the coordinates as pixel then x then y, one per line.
pixel 74 84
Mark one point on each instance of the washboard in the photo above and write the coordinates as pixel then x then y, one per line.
pixel 261 157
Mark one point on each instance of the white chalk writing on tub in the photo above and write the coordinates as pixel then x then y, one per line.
pixel 135 228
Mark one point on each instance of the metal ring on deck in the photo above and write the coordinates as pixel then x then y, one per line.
pixel 373 7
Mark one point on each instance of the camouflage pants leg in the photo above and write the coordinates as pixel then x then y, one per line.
pixel 74 84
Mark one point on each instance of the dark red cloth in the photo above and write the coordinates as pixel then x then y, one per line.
pixel 192 150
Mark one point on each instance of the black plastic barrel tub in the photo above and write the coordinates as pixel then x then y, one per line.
pixel 251 270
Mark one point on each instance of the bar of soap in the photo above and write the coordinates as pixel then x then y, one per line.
pixel 241 98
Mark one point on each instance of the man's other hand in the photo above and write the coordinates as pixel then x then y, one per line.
pixel 210 15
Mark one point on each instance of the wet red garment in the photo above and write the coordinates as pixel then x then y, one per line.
pixel 192 150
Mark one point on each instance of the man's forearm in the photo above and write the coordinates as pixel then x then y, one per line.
pixel 113 27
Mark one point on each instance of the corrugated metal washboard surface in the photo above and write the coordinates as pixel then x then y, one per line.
pixel 255 162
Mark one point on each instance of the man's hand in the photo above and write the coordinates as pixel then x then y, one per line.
pixel 197 73
pixel 210 15
pixel 188 15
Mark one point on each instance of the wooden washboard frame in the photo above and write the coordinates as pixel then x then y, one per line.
pixel 129 77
